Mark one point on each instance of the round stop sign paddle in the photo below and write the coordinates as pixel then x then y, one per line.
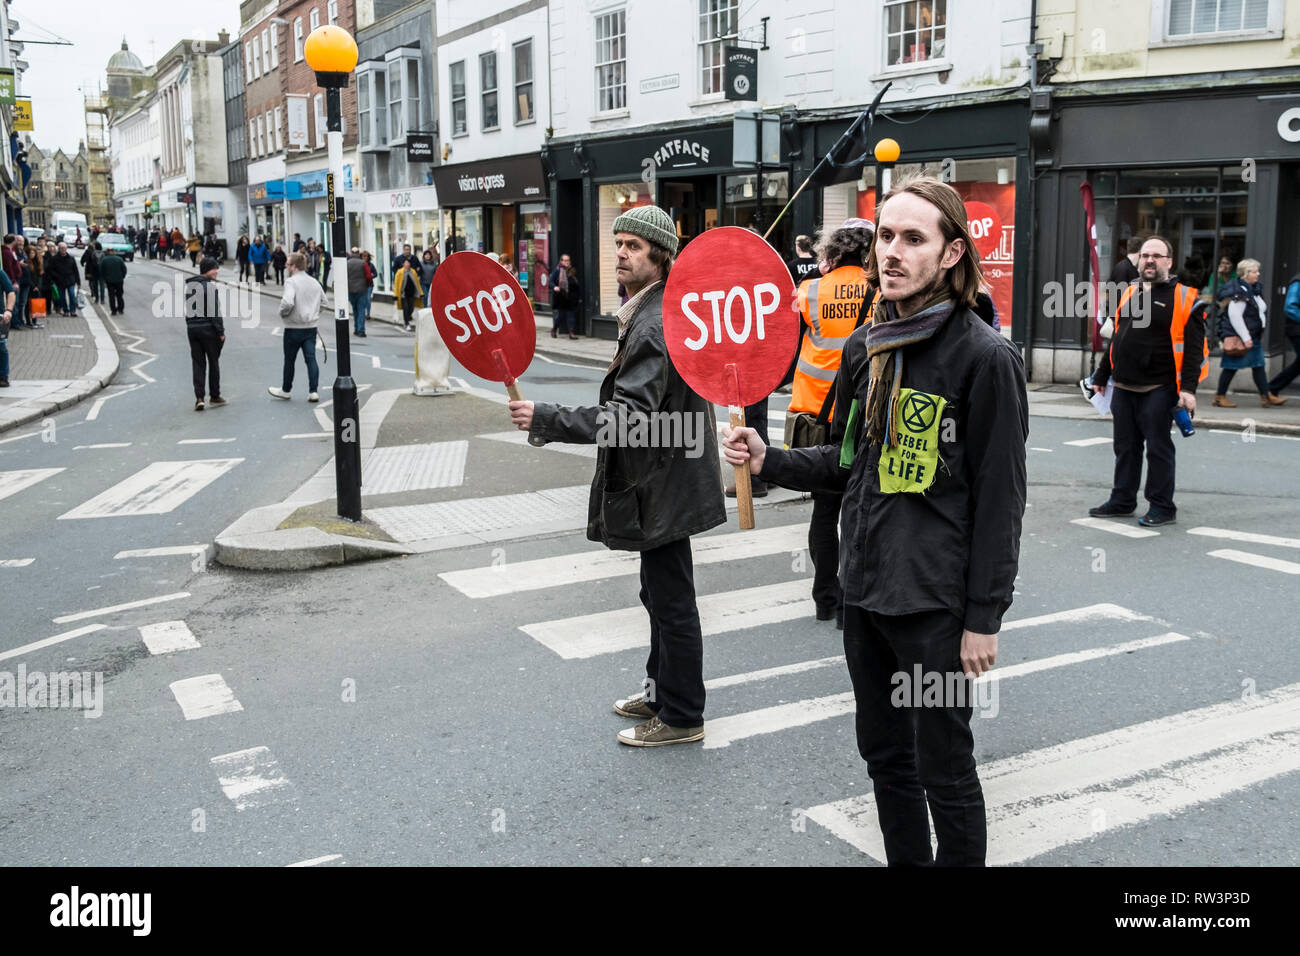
pixel 484 318
pixel 985 227
pixel 730 326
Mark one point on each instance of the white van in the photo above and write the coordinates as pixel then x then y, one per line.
pixel 66 224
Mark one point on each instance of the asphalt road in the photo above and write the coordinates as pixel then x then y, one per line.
pixel 380 713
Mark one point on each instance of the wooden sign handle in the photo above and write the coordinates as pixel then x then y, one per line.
pixel 513 391
pixel 511 383
pixel 744 497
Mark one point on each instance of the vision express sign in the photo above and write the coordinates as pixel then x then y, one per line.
pixel 513 179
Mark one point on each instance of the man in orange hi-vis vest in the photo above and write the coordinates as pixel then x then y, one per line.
pixel 832 306
pixel 1156 358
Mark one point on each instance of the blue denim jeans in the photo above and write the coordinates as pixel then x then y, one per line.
pixel 70 299
pixel 4 358
pixel 304 340
pixel 358 300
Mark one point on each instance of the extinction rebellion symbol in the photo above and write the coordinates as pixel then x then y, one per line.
pixel 918 412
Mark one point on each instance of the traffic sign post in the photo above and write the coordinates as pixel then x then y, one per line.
pixel 731 327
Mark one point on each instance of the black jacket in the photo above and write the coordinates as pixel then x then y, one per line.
pixel 644 497
pixel 202 305
pixel 1239 291
pixel 956 546
pixel 1143 350
pixel 565 300
pixel 112 268
pixel 63 270
pixel 90 261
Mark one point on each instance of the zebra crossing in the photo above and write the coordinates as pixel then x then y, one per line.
pixel 1038 801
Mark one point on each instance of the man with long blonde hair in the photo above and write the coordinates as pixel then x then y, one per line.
pixel 928 447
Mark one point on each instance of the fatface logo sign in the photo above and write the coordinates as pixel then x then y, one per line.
pixel 740 73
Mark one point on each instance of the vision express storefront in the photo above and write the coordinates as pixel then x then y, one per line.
pixel 500 206
pixel 688 171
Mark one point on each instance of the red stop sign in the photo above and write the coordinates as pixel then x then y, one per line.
pixel 730 301
pixel 985 226
pixel 480 308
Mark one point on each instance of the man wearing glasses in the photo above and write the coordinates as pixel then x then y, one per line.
pixel 1156 358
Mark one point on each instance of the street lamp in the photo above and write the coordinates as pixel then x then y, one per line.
pixel 332 53
pixel 886 152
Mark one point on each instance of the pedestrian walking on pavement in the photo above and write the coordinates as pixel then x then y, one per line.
pixel 428 266
pixel 299 310
pixel 259 255
pixel 371 275
pixel 194 245
pixel 26 282
pixel 9 295
pixel 206 331
pixel 649 500
pixel 278 258
pixel 177 243
pixel 66 278
pixel 90 263
pixel 241 257
pixel 566 296
pixel 929 450
pixel 407 290
pixel 1157 356
pixel 356 267
pixel 1291 308
pixel 112 272
pixel 1245 315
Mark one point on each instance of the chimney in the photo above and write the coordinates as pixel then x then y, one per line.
pixel 223 37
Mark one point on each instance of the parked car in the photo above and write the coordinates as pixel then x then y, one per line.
pixel 118 243
pixel 33 233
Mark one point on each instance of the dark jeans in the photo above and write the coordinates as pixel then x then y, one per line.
pixel 1257 373
pixel 70 299
pixel 243 271
pixel 96 287
pixel 115 302
pixel 824 547
pixel 4 359
pixel 304 340
pixel 408 306
pixel 205 350
pixel 1288 374
pixel 1143 417
pixel 259 271
pixel 358 300
pixel 916 756
pixel 564 320
pixel 676 661
pixel 20 305
pixel 279 276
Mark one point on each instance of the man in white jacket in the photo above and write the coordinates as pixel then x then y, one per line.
pixel 299 309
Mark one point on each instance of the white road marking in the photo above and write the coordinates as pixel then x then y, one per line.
pixel 167 637
pixel 156 489
pixel 108 444
pixel 251 778
pixel 1246 537
pixel 1049 798
pixel 307 435
pixel 1114 527
pixel 323 420
pixel 768 673
pixel 1086 442
pixel 724 731
pixel 1256 560
pixel 408 371
pixel 1236 432
pixel 277 330
pixel 521 439
pixel 512 578
pixel 1091 612
pixel 5 441
pixel 590 635
pixel 415 467
pixel 374 361
pixel 16 562
pixel 49 641
pixel 12 482
pixel 317 861
pixel 130 347
pixel 128 606
pixel 161 552
pixel 205 441
pixel 1048 450
pixel 205 696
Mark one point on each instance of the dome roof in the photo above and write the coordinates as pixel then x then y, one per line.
pixel 124 59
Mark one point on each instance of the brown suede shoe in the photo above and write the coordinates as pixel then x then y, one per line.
pixel 1221 401
pixel 1271 399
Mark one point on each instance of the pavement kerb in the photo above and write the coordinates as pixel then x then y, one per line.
pixel 107 363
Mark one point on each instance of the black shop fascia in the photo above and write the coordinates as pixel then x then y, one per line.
pixel 687 171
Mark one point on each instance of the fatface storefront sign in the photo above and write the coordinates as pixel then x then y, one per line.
pixel 511 179
pixel 740 73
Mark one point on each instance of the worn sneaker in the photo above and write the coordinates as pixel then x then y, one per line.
pixel 198 406
pixel 1109 510
pixel 637 706
pixel 217 402
pixel 313 397
pixel 277 392
pixel 655 733
pixel 1154 519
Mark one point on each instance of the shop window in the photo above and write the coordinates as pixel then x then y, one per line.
pixel 611 61
pixel 487 74
pixel 719 21
pixel 1191 17
pixel 298 40
pixel 615 199
pixel 915 31
pixel 524 82
pixel 459 122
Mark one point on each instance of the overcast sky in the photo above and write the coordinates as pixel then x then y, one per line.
pixel 59 74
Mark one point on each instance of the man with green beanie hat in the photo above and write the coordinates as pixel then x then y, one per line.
pixel 648 495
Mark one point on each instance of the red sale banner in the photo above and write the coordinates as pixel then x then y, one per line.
pixel 484 318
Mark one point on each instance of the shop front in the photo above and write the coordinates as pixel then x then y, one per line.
pixel 687 171
pixel 500 206
pixel 397 218
pixel 1196 191
pixel 266 208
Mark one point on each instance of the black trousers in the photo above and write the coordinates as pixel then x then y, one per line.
pixel 675 667
pixel 824 547
pixel 205 350
pixel 116 304
pixel 1144 418
pixel 1288 374
pixel 917 756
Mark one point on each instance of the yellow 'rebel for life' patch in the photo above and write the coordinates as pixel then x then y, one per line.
pixel 912 463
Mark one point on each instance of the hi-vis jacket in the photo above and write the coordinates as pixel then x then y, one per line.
pixel 1172 316
pixel 934 523
pixel 829 306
